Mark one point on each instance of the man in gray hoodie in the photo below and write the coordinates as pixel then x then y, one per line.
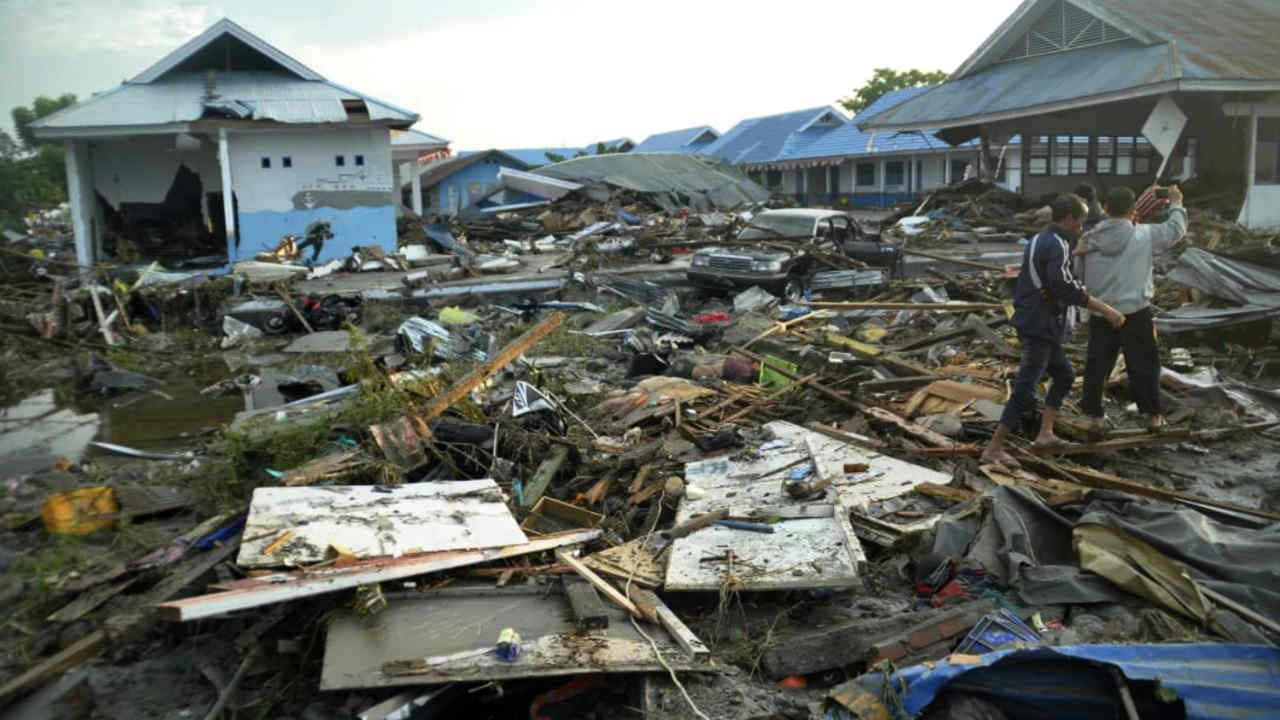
pixel 1117 258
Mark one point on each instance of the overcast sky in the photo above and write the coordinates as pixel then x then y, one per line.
pixel 504 73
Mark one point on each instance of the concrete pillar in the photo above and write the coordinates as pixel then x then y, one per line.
pixel 946 168
pixel 1250 168
pixel 228 194
pixel 883 165
pixel 78 199
pixel 415 182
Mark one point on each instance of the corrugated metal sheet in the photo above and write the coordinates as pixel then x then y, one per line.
pixel 677 140
pixel 1212 680
pixel 1216 39
pixel 414 137
pixel 180 98
pixel 1183 40
pixel 672 179
pixel 760 140
pixel 1029 83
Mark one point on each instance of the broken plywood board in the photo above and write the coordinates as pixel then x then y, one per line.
pixel 375 521
pixel 284 586
pixel 456 630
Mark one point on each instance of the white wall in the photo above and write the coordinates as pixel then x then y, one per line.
pixel 313 154
pixel 141 169
pixel 1261 207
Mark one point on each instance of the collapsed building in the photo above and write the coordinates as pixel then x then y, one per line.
pixel 222 147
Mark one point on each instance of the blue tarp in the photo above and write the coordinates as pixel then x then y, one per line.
pixel 1210 680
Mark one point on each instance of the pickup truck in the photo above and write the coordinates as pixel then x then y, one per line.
pixel 784 272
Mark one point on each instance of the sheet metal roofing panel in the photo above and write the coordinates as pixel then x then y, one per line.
pixel 847 139
pixel 1216 39
pixel 179 98
pixel 414 137
pixel 760 140
pixel 674 140
pixel 691 175
pixel 1025 84
pixel 1213 680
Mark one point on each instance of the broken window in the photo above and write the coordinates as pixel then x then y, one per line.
pixel 286 162
pixel 1267 159
pixel 266 163
pixel 866 174
pixel 340 160
pixel 773 179
pixel 1039 155
pixel 894 173
pixel 359 161
pixel 1105 161
pixel 957 170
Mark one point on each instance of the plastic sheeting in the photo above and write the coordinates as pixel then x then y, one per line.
pixel 1029 546
pixel 672 180
pixel 1210 681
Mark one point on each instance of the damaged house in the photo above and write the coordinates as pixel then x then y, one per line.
pixel 446 186
pixel 1121 93
pixel 220 149
pixel 410 150
pixel 834 163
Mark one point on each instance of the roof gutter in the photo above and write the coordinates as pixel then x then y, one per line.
pixel 108 131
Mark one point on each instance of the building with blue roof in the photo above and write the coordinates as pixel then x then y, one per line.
pixel 448 185
pixel 686 140
pixel 1120 93
pixel 820 157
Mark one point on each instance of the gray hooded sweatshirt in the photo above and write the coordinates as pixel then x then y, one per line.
pixel 1119 270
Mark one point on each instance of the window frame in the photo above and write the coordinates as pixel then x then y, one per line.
pixel 857 174
pixel 1265 141
pixel 359 160
pixel 286 161
pixel 888 173
pixel 265 162
pixel 1040 141
pixel 339 160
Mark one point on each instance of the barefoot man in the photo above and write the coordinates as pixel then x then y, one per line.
pixel 1046 288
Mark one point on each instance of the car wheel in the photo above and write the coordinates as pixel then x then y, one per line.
pixel 794 290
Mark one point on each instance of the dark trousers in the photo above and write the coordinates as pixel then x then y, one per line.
pixel 1137 339
pixel 1038 356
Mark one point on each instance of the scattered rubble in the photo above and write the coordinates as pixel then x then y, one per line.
pixel 523 466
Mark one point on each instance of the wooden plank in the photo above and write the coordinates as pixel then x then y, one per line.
pixel 588 609
pixel 293 308
pixel 399 443
pixel 473 379
pixel 375 521
pixel 944 492
pixel 281 587
pixel 898 383
pixel 880 355
pixel 958 261
pixel 632 561
pixel 931 307
pixel 923 434
pixel 542 477
pixel 1244 612
pixel 659 611
pixel 609 591
pixel 83 649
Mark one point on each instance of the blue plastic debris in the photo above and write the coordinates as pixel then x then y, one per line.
pixel 222 534
pixel 628 218
pixel 745 525
pixel 799 473
pixel 996 630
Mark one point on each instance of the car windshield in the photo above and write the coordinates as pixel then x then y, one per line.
pixel 767 226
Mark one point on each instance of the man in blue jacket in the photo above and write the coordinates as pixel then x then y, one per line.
pixel 1046 288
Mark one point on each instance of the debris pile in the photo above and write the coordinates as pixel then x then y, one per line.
pixel 526 468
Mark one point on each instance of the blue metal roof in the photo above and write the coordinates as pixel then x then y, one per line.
pixel 685 140
pixel 760 140
pixel 1213 680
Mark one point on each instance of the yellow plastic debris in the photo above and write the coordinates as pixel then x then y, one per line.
pixel 454 315
pixel 80 512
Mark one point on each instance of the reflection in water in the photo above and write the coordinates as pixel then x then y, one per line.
pixel 36 432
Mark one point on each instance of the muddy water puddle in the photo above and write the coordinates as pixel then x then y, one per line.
pixel 59 423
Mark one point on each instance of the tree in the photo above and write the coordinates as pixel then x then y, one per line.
pixel 886 80
pixel 40 107
pixel 33 174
